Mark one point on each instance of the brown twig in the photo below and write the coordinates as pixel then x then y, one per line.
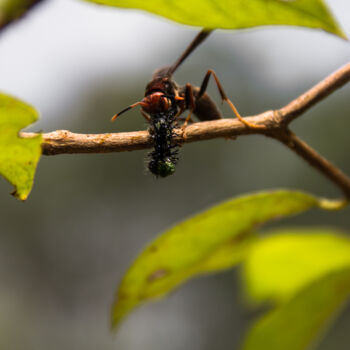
pixel 64 141
pixel 275 125
pixel 316 160
pixel 317 93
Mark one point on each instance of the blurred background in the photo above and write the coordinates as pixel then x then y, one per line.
pixel 63 252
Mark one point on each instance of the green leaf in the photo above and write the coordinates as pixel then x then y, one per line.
pixel 11 10
pixel 296 324
pixel 284 262
pixel 238 14
pixel 18 156
pixel 213 240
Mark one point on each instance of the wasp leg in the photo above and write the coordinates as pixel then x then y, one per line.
pixel 182 119
pixel 189 103
pixel 204 108
pixel 145 116
pixel 224 98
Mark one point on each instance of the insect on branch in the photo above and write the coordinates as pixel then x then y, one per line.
pixel 274 124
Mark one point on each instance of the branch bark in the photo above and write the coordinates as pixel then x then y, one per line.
pixel 273 124
pixel 316 160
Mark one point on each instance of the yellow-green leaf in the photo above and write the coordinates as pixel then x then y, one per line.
pixel 18 156
pixel 238 14
pixel 213 240
pixel 297 323
pixel 285 261
pixel 11 10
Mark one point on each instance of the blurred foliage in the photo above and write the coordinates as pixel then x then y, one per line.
pixel 11 10
pixel 237 14
pixel 293 259
pixel 18 156
pixel 214 240
pixel 310 286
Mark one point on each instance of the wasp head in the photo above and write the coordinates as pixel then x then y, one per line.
pixel 155 102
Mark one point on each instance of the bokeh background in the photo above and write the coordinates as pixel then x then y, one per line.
pixel 63 251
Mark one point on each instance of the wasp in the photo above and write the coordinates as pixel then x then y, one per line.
pixel 165 101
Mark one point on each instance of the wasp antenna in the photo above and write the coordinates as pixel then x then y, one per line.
pixel 201 36
pixel 125 110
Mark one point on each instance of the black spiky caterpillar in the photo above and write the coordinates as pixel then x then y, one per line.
pixel 163 159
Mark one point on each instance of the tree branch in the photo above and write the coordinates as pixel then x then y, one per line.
pixel 272 124
pixel 64 141
pixel 317 93
pixel 316 160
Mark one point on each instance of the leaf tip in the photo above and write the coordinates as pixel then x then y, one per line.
pixel 116 316
pixel 121 306
pixel 341 34
pixel 329 204
pixel 20 195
